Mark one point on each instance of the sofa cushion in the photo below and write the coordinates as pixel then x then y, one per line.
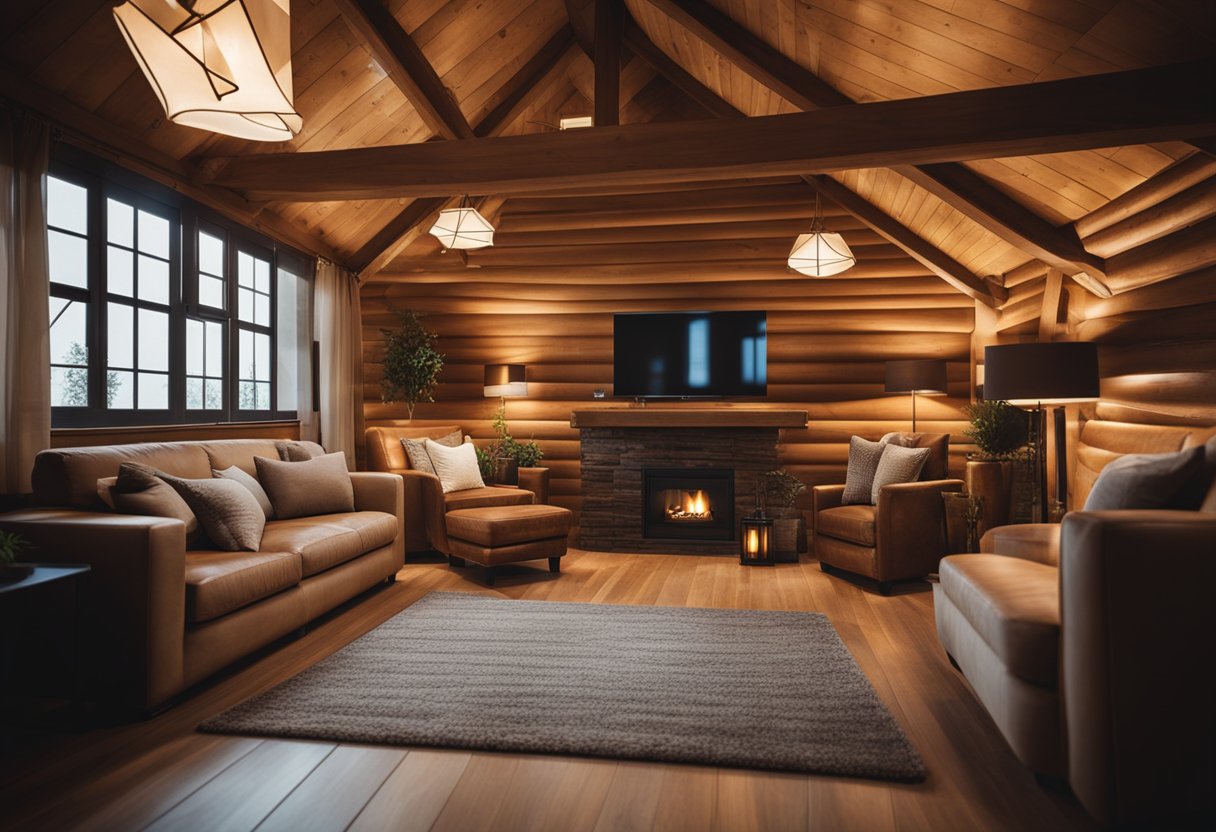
pixel 494 526
pixel 305 489
pixel 1014 606
pixel 218 583
pixel 331 539
pixel 298 451
pixel 138 490
pixel 229 514
pixel 854 523
pixel 488 496
pixel 251 484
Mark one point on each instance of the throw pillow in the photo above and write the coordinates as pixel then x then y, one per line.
pixel 304 489
pixel 297 451
pixel 863 462
pixel 138 490
pixel 1199 494
pixel 456 467
pixel 1144 480
pixel 898 464
pixel 226 510
pixel 251 484
pixel 415 450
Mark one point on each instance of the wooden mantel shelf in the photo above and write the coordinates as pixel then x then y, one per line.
pixel 657 417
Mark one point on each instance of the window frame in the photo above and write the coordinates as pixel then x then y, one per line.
pixel 103 180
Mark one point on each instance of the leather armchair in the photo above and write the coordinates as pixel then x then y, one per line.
pixel 900 537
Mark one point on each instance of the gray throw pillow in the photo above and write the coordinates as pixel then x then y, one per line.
pixel 297 451
pixel 415 450
pixel 139 490
pixel 304 489
pixel 228 513
pixel 250 482
pixel 1143 481
pixel 1199 493
pixel 898 464
pixel 863 462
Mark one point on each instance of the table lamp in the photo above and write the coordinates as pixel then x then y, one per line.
pixel 1051 373
pixel 504 380
pixel 926 376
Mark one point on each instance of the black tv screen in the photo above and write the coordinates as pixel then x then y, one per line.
pixel 689 354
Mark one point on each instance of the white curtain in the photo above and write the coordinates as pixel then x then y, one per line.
pixel 339 329
pixel 25 367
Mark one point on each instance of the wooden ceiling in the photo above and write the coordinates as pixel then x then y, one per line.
pixel 517 66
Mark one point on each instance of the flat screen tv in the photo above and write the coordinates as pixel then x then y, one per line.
pixel 689 354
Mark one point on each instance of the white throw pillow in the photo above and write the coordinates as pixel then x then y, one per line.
pixel 456 467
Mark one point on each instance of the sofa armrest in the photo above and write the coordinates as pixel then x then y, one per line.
pixel 375 491
pixel 910 527
pixel 425 510
pixel 1039 542
pixel 824 497
pixel 1137 620
pixel 135 601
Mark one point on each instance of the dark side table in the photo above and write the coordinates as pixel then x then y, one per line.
pixel 36 610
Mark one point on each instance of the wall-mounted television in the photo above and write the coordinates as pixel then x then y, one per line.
pixel 690 354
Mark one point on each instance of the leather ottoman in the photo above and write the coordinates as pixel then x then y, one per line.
pixel 494 535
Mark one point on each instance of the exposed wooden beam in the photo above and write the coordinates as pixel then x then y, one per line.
pixel 1132 107
pixel 764 64
pixel 403 61
pixel 609 16
pixel 924 252
pixel 1207 144
pixel 124 147
pixel 1193 205
pixel 1175 179
pixel 1186 250
pixel 523 87
pixel 1054 309
pixel 391 240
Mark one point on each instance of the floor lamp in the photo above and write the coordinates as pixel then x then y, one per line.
pixel 1034 375
pixel 923 376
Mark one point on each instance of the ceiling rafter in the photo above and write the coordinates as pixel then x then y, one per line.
pixel 609 16
pixel 955 184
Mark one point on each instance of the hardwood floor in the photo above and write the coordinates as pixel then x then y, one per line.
pixel 160 774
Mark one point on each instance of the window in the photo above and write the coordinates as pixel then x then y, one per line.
pixel 163 313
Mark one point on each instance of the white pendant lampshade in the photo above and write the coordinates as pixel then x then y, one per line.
pixel 218 65
pixel 463 228
pixel 821 254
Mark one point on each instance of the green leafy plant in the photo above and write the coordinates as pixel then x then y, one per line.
pixel 782 488
pixel 411 363
pixel 526 454
pixel 485 462
pixel 11 545
pixel 998 429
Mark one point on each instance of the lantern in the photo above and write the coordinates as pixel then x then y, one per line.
pixel 755 539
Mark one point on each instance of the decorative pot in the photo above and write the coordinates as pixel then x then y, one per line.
pixel 963 513
pixel 506 471
pixel 13 572
pixel 789 534
pixel 992 482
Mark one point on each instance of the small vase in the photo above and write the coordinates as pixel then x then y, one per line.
pixel 992 482
pixel 506 471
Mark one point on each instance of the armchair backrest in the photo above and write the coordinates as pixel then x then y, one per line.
pixel 1103 441
pixel 385 451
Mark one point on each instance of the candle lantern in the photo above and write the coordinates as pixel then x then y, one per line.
pixel 755 538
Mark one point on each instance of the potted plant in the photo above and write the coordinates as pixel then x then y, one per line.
pixel 1000 431
pixel 11 545
pixel 789 525
pixel 502 459
pixel 411 363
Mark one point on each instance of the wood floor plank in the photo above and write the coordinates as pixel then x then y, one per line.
pixel 478 795
pixel 750 801
pixel 334 792
pixel 688 798
pixel 555 794
pixel 414 794
pixel 632 798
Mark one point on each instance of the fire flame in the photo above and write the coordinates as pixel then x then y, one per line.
pixel 694 505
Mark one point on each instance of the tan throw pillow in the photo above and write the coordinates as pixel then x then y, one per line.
pixel 228 513
pixel 415 449
pixel 296 451
pixel 138 490
pixel 898 464
pixel 863 462
pixel 304 489
pixel 252 485
pixel 456 467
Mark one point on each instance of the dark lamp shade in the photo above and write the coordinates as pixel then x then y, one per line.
pixel 920 375
pixel 505 380
pixel 1056 372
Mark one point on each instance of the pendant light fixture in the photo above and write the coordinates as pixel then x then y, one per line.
pixel 463 228
pixel 218 65
pixel 820 253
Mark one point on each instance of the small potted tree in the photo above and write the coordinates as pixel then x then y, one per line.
pixel 1000 431
pixel 503 459
pixel 11 545
pixel 411 363
pixel 789 526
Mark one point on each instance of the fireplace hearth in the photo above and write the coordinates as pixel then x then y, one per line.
pixel 688 503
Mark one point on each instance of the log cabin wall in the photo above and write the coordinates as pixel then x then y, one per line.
pixel 545 294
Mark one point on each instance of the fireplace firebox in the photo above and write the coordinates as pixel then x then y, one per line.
pixel 688 503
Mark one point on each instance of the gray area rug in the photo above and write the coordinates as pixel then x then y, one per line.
pixel 740 688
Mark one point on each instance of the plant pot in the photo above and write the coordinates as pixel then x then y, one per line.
pixel 991 481
pixel 13 572
pixel 961 535
pixel 506 471
pixel 789 534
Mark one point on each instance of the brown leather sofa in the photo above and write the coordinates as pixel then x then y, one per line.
pixel 161 618
pixel 900 537
pixel 1090 642
pixel 425 503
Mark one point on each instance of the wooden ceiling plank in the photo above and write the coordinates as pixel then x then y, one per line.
pixel 403 60
pixel 925 253
pixel 609 18
pixel 1076 113
pixel 524 86
pixel 644 48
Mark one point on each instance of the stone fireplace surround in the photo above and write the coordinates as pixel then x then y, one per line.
pixel 616 445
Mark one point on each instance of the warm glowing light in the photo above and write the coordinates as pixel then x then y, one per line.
pixel 218 65
pixel 463 228
pixel 690 505
pixel 821 254
pixel 751 543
